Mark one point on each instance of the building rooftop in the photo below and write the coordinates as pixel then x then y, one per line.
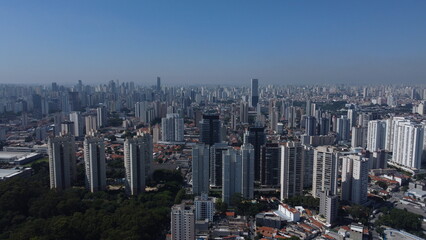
pixel 10 156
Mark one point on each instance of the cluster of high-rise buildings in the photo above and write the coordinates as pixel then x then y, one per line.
pixel 62 162
pixel 243 139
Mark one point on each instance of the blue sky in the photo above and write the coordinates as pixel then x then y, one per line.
pixel 220 42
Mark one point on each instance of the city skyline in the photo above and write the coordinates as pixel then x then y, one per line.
pixel 279 42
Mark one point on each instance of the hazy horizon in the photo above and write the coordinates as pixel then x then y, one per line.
pixel 213 42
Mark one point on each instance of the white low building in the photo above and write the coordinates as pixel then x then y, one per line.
pixel 288 213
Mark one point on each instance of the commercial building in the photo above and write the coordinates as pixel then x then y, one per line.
pixel 10 173
pixel 256 136
pixel 254 99
pixel 210 129
pixel 271 162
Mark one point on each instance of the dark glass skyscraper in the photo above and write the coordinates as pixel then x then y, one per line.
pixel 270 166
pixel 256 136
pixel 254 99
pixel 210 129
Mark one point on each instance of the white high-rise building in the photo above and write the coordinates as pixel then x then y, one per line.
pixel 95 165
pixel 91 124
pixel 389 135
pixel 408 144
pixel 67 127
pixel 204 207
pixel 62 161
pixel 355 178
pixel 329 206
pixel 326 166
pixel 358 137
pixel 156 133
pixel 183 222
pixel 137 162
pixel 292 159
pixel 238 173
pixel 200 169
pixel 76 118
pixel 172 128
pixel 376 136
pixel 144 112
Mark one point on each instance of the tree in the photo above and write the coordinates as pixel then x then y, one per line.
pixel 360 213
pixel 221 206
pixel 382 185
pixel 401 219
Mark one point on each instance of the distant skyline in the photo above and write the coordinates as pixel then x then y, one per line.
pixel 213 42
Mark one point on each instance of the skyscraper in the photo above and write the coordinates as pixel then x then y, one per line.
pixel 158 84
pixel 308 108
pixel 343 128
pixel 408 144
pixel 352 116
pixel 271 158
pixel 91 124
pixel 172 128
pixel 355 178
pixel 94 161
pixel 200 169
pixel 254 92
pixel 358 139
pixel 244 112
pixel 238 173
pixel 216 162
pixel 256 136
pixel 76 118
pixel 308 165
pixel 291 170
pixel 247 155
pixel 137 162
pixel 183 222
pixel 62 162
pixel 329 204
pixel 101 116
pixel 378 159
pixel 210 129
pixel 310 126
pixel 326 167
pixel 376 135
pixel 67 127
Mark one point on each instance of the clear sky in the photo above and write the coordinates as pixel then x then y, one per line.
pixel 213 41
